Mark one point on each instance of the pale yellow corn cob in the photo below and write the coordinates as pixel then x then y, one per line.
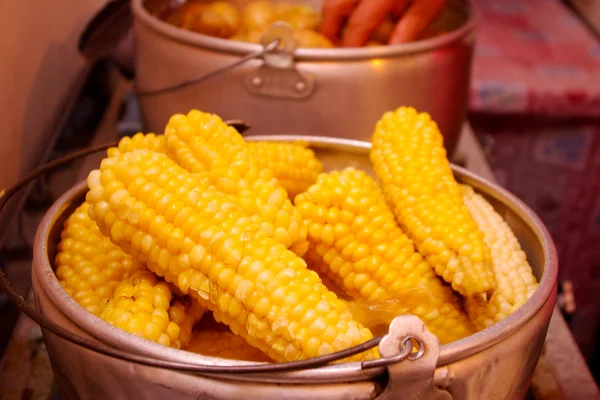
pixel 515 282
pixel 356 242
pixel 295 166
pixel 203 243
pixel 139 141
pixel 202 142
pixel 224 344
pixel 88 266
pixel 410 160
pixel 141 305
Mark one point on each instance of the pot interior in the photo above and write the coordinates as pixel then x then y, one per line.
pixel 334 154
pixel 456 13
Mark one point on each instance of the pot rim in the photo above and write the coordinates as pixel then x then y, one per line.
pixel 304 54
pixel 449 353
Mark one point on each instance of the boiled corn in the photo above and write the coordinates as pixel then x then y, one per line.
pixel 185 312
pixel 199 240
pixel 515 282
pixel 202 142
pixel 410 160
pixel 139 141
pixel 88 266
pixel 224 344
pixel 295 166
pixel 355 241
pixel 141 305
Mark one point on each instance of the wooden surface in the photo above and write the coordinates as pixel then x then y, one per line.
pixel 561 372
pixel 568 365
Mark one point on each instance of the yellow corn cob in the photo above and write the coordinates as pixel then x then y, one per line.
pixel 88 265
pixel 141 305
pixel 199 240
pixel 295 166
pixel 515 282
pixel 202 142
pixel 224 344
pixel 139 141
pixel 185 312
pixel 410 160
pixel 355 241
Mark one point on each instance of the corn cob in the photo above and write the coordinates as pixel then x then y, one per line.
pixel 185 312
pixel 410 160
pixel 224 344
pixel 293 164
pixel 356 242
pixel 139 141
pixel 204 244
pixel 515 282
pixel 141 305
pixel 201 142
pixel 88 265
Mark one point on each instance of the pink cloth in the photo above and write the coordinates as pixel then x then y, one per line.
pixel 534 57
pixel 537 67
pixel 554 167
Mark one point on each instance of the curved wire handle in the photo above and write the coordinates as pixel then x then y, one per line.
pixel 406 346
pixel 212 74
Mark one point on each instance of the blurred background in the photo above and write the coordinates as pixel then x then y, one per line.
pixel 533 106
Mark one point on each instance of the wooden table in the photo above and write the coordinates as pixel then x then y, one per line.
pixel 561 372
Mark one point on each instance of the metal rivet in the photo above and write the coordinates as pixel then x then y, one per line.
pixel 300 86
pixel 257 81
pixel 421 347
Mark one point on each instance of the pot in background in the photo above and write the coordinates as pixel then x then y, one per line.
pixel 338 92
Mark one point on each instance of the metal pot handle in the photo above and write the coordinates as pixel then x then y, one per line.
pixel 413 379
pixel 272 45
pixel 278 75
pixel 105 32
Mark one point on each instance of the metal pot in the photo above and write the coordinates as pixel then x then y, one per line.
pixel 496 363
pixel 337 92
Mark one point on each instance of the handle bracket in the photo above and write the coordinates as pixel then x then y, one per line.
pixel 278 75
pixel 413 378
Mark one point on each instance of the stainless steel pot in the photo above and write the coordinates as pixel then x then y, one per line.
pixel 496 363
pixel 337 92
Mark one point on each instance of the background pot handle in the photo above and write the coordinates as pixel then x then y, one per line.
pixel 212 74
pixel 109 34
pixel 278 75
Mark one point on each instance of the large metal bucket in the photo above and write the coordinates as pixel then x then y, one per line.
pixel 337 92
pixel 496 363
